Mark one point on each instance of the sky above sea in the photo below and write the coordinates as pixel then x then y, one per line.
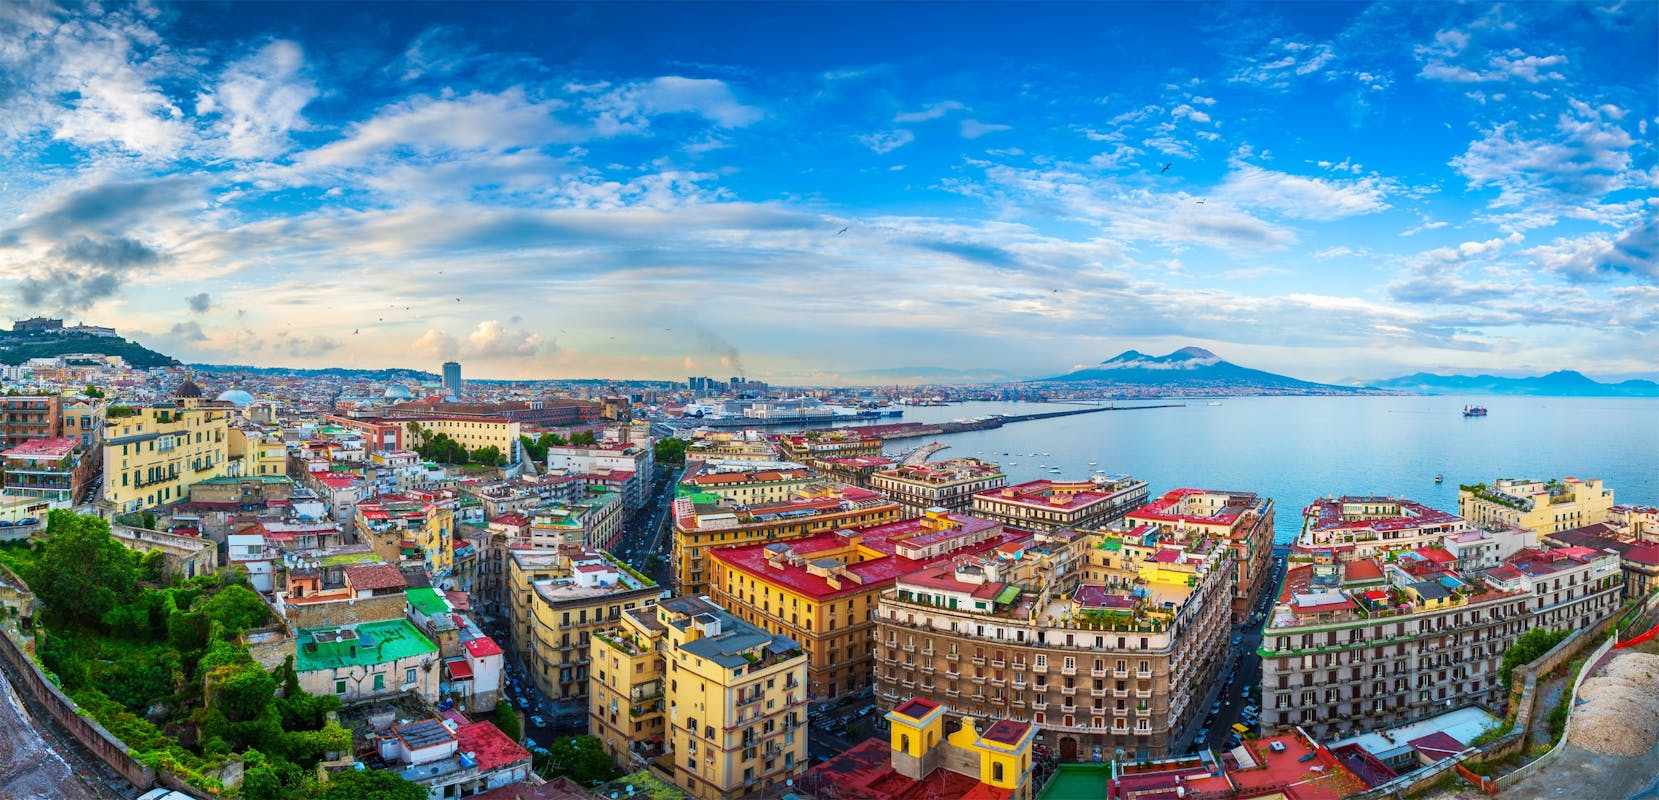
pixel 821 193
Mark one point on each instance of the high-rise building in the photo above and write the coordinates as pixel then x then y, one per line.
pixel 452 379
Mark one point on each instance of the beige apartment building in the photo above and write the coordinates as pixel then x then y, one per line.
pixel 745 485
pixel 153 454
pixel 556 600
pixel 1356 646
pixel 1110 649
pixel 950 484
pixel 703 696
pixel 1050 505
pixel 1240 519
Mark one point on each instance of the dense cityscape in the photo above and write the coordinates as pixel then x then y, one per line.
pixel 326 585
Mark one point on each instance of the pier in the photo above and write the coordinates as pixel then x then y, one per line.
pixel 912 430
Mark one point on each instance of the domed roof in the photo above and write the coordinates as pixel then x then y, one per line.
pixel 236 397
pixel 398 391
pixel 187 389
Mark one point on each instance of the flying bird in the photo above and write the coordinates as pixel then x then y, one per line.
pixel 1201 202
pixel 839 232
pixel 1160 172
pixel 354 331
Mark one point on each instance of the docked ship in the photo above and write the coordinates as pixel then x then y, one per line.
pixel 739 413
pixel 1474 411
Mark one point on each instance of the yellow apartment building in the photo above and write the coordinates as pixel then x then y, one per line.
pixel 411 525
pixel 257 453
pixel 745 486
pixel 556 600
pixel 153 454
pixel 702 521
pixel 473 434
pixel 733 698
pixel 1540 506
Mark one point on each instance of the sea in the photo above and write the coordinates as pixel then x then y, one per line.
pixel 1298 449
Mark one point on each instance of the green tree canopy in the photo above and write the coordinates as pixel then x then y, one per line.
pixel 238 608
pixel 581 758
pixel 82 572
pixel 507 720
pixel 671 451
pixel 93 391
pixel 372 784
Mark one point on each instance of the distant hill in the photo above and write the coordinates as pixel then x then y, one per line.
pixel 1192 369
pixel 1565 383
pixel 16 348
pixel 907 375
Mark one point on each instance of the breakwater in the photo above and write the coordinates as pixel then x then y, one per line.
pixel 912 430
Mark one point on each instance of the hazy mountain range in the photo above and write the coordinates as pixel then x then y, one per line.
pixel 1192 369
pixel 1565 383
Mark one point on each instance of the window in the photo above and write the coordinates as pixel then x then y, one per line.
pixel 409 675
pixel 379 682
pixel 339 687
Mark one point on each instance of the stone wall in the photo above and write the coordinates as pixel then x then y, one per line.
pixel 345 612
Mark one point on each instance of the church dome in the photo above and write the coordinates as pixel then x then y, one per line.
pixel 236 397
pixel 188 389
pixel 398 391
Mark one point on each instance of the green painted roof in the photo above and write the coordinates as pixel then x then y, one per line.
pixel 426 601
pixel 347 559
pixel 233 480
pixel 376 643
pixel 1112 543
pixel 1077 780
pixel 1007 595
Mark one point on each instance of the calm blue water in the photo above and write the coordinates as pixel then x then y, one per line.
pixel 1295 449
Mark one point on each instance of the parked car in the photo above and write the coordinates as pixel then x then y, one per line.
pixel 538 722
pixel 524 702
pixel 1215 708
pixel 28 521
pixel 530 744
pixel 1237 639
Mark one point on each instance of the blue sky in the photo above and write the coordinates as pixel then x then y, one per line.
pixel 632 190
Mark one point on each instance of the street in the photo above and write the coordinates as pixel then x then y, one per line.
pixel 1238 685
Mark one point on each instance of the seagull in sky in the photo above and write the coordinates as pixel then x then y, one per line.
pixel 1201 202
pixel 354 331
pixel 1160 172
pixel 839 232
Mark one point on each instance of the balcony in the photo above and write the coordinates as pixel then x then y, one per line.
pixel 979 661
pixel 1097 673
pixel 1143 673
pixel 1097 692
pixel 1039 668
pixel 909 647
pixel 953 692
pixel 952 674
pixel 1068 670
pixel 927 667
pixel 1019 666
pixel 1120 692
pixel 1143 712
pixel 1069 691
pixel 1120 673
pixel 978 679
pixel 1039 705
pixel 953 656
pixel 1019 682
pixel 1143 693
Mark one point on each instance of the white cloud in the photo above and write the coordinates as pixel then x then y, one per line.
pixel 1587 155
pixel 1302 197
pixel 929 112
pixel 887 141
pixel 973 128
pixel 423 127
pixel 1185 111
pixel 259 99
pixel 628 108
pixel 1284 61
pixel 1428 225
pixel 436 345
pixel 491 339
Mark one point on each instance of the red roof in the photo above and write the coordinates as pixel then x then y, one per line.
pixel 459 669
pixel 916 708
pixel 375 576
pixel 481 647
pixel 866 772
pixel 1364 569
pixel 1437 745
pixel 511 520
pixel 490 746
pixel 1436 555
pixel 54 448
pixel 1006 731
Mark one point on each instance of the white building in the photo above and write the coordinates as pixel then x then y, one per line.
pixel 251 553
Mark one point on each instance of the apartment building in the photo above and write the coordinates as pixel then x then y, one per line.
pixel 744 485
pixel 26 417
pixel 1366 527
pixel 153 454
pixel 834 443
pixel 919 758
pixel 702 521
pixel 54 469
pixel 1051 505
pixel 821 590
pixel 556 599
pixel 1240 519
pixel 852 470
pixel 627 463
pixel 949 484
pixel 415 525
pixel 256 453
pixel 522 494
pixel 727 701
pixel 1539 506
pixel 593 521
pixel 1353 647
pixel 1638 557
pixel 1103 642
pixel 730 446
pixel 83 419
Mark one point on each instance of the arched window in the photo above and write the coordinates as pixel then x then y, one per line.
pixel 996 772
pixel 904 742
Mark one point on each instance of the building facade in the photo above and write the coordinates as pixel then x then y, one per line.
pixel 1103 642
pixel 153 454
pixel 26 417
pixel 950 484
pixel 54 469
pixel 732 703
pixel 367 660
pixel 1367 527
pixel 556 600
pixel 705 521
pixel 1243 521
pixel 1539 506
pixel 1051 505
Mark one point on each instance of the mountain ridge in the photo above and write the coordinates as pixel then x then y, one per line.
pixel 1193 368
pixel 1560 383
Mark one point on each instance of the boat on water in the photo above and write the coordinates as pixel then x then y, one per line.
pixel 1054 469
pixel 1214 403
pixel 1439 478
pixel 1474 411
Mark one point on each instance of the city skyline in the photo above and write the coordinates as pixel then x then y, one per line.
pixel 806 194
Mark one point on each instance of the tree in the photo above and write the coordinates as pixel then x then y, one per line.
pixel 488 456
pixel 238 608
pixel 1528 647
pixel 507 720
pixel 82 572
pixel 671 451
pixel 580 758
pixel 370 784
pixel 93 391
pixel 581 438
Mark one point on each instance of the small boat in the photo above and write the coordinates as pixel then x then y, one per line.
pixel 1054 469
pixel 1439 478
pixel 1474 411
pixel 1214 403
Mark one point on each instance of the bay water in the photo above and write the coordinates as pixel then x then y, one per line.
pixel 1297 449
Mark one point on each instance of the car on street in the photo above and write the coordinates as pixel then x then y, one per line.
pixel 530 744
pixel 1237 639
pixel 1215 708
pixel 1233 741
pixel 1203 736
pixel 524 702
pixel 538 722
